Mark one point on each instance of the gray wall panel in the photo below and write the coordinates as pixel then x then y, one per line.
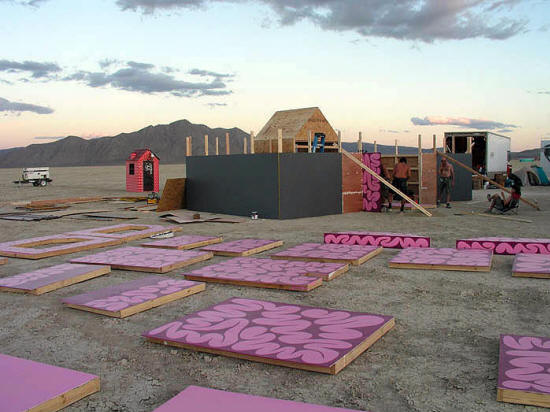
pixel 462 191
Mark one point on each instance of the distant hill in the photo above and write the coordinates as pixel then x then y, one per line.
pixel 167 141
pixel 529 153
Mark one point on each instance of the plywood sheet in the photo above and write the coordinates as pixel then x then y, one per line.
pixel 260 331
pixel 443 259
pixel 133 297
pixel 319 252
pixel 127 232
pixel 198 399
pixel 523 374
pixel 53 245
pixel 51 278
pixel 268 273
pixel 243 247
pixel 33 386
pixel 530 265
pixel 173 195
pixel 384 239
pixel 184 242
pixel 506 245
pixel 143 259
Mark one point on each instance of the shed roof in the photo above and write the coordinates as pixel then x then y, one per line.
pixel 141 154
pixel 290 121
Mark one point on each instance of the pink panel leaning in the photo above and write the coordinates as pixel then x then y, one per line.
pixel 386 240
pixel 197 399
pixel 506 245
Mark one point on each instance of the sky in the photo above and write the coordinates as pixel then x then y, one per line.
pixel 392 69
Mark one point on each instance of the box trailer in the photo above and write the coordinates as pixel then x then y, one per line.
pixel 38 176
pixel 490 151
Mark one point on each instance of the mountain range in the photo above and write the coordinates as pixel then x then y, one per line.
pixel 168 142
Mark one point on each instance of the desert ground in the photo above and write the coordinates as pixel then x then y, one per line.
pixel 442 354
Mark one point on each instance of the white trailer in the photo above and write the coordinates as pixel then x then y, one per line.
pixel 490 151
pixel 38 176
pixel 545 156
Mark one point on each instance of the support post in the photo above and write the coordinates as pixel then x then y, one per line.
pixel 444 143
pixel 339 141
pixel 252 142
pixel 453 143
pixel 217 146
pixel 375 147
pixel 360 143
pixel 188 148
pixel 206 145
pixel 420 168
pixel 435 144
pixel 245 143
pixel 279 141
pixel 450 159
pixel 469 144
pixel 385 182
pixel 227 150
pixel 309 141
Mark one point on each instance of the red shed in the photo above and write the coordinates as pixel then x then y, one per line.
pixel 142 171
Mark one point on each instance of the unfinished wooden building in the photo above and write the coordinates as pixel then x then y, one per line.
pixel 298 128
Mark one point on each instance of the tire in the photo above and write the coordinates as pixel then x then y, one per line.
pixel 35 183
pixel 43 183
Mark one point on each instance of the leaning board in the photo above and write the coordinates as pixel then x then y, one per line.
pixel 506 245
pixel 528 265
pixel 133 297
pixel 523 372
pixel 269 273
pixel 319 252
pixel 33 386
pixel 243 247
pixel 198 399
pixel 38 247
pixel 184 242
pixel 443 259
pixel 386 240
pixel 143 259
pixel 126 232
pixel 268 332
pixel 51 278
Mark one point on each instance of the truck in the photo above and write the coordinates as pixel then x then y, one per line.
pixel 490 151
pixel 38 176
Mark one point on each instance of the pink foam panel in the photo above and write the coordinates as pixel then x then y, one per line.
pixel 506 245
pixel 386 240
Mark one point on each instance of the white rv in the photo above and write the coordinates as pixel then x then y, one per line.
pixel 38 176
pixel 490 151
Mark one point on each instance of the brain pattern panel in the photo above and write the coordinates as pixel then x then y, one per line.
pixel 180 241
pixel 294 333
pixel 444 257
pixel 372 188
pixel 524 363
pixel 530 263
pixel 129 294
pixel 386 240
pixel 327 251
pixel 239 246
pixel 506 246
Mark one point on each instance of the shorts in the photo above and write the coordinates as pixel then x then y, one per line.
pixel 400 184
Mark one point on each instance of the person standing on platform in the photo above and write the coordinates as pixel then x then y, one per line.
pixel 446 181
pixel 401 173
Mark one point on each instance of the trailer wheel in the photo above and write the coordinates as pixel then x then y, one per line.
pixel 35 183
pixel 43 183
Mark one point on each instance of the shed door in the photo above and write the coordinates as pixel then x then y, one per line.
pixel 148 176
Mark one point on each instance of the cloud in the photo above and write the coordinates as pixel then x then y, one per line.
pixel 461 122
pixel 206 73
pixel 38 70
pixel 33 3
pixel 144 78
pixel 49 137
pixel 14 107
pixel 505 131
pixel 426 20
pixel 105 63
pixel 388 131
pixel 214 105
pixel 544 92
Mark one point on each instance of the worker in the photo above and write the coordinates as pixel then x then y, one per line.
pixel 503 204
pixel 446 181
pixel 401 173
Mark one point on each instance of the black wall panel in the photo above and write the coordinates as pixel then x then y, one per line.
pixel 462 191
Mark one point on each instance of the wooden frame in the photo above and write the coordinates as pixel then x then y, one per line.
pixel 329 253
pixel 184 242
pixel 443 259
pixel 243 247
pixel 136 231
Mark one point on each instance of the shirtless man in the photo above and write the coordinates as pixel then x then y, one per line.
pixel 401 173
pixel 446 180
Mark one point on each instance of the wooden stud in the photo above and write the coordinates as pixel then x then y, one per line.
pixel 227 150
pixel 388 184
pixel 419 168
pixel 206 145
pixel 375 147
pixel 339 141
pixel 217 146
pixel 453 143
pixel 252 150
pixel 449 158
pixel 469 144
pixel 360 143
pixel 189 147
pixel 279 141
pixel 435 143
pixel 396 148
pixel 309 141
pixel 244 146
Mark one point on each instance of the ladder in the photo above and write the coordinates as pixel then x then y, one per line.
pixel 316 142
